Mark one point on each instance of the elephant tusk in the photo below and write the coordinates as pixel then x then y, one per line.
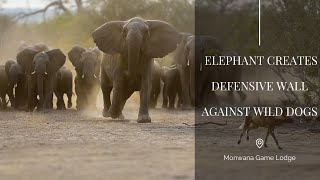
pixel 33 73
pixel 95 76
pixel 82 76
pixel 188 62
pixel 45 73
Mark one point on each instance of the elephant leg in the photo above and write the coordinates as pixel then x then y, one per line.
pixel 118 101
pixel 34 100
pixel 3 101
pixel 80 102
pixel 32 95
pixel 127 95
pixel 41 89
pixel 95 95
pixel 21 95
pixel 164 96
pixel 18 98
pixel 106 87
pixel 48 93
pixel 80 94
pixel 185 84
pixel 146 80
pixel 69 95
pixel 156 96
pixel 172 99
pixel 119 85
pixel 60 101
pixel 10 94
pixel 179 98
pixel 156 88
pixel 106 91
pixel 152 100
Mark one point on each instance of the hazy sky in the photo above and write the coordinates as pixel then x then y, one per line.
pixel 24 3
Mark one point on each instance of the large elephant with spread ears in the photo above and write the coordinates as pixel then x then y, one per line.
pixel 40 68
pixel 130 47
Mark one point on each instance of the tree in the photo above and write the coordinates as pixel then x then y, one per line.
pixel 293 29
pixel 6 24
pixel 62 5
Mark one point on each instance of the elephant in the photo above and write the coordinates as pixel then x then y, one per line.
pixel 40 69
pixel 201 77
pixel 184 71
pixel 3 87
pixel 63 85
pixel 87 84
pixel 17 84
pixel 129 48
pixel 156 85
pixel 171 86
pixel 7 66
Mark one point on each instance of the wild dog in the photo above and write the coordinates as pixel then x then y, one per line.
pixel 270 122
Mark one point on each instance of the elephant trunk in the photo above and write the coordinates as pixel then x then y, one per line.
pixel 40 90
pixel 134 42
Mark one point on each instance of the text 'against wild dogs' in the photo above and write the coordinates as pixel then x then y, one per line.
pixel 259 111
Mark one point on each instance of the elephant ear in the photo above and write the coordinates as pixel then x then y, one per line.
pixel 75 56
pixel 25 59
pixel 97 52
pixel 8 65
pixel 163 39
pixel 56 58
pixel 108 37
pixel 180 53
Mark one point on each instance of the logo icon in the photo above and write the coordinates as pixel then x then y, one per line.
pixel 259 143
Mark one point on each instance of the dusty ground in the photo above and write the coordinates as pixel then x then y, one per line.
pixel 73 145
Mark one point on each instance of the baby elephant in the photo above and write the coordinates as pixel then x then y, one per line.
pixel 270 122
pixel 63 85
pixel 172 86
pixel 87 82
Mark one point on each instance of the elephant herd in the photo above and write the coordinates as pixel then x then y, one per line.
pixel 125 66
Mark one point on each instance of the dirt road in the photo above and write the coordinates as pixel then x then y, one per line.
pixel 73 145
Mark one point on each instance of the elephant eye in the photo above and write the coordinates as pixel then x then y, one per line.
pixel 124 31
pixel 146 32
